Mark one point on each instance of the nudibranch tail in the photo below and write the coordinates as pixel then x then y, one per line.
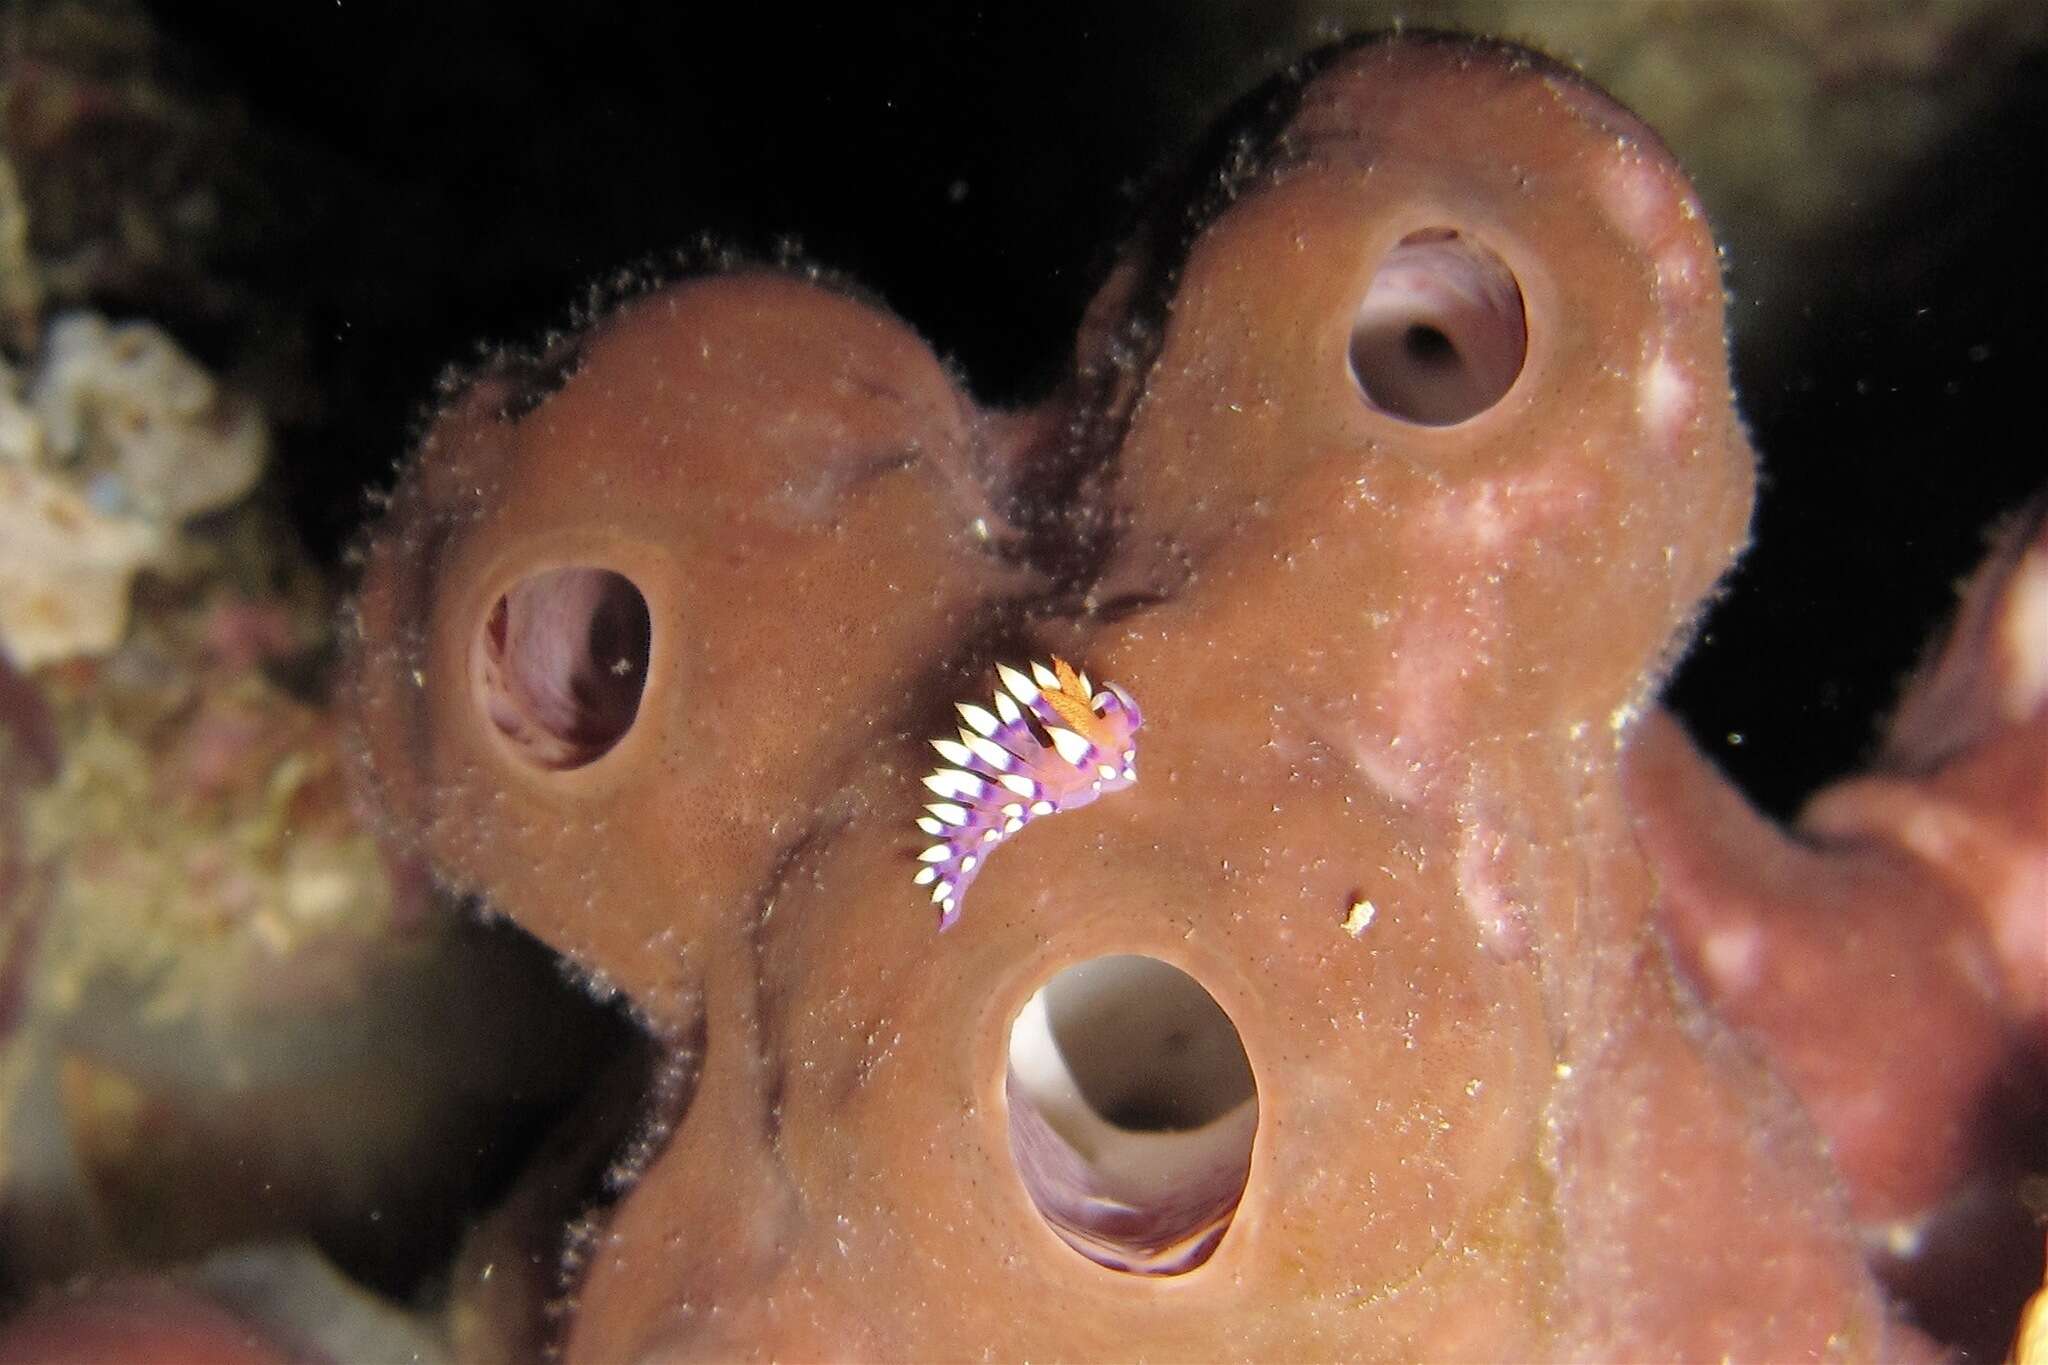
pixel 1051 743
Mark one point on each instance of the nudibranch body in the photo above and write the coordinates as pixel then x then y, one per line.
pixel 1053 743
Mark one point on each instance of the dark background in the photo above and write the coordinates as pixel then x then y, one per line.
pixel 437 175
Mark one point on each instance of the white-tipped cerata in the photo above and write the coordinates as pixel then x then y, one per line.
pixel 953 782
pixel 1017 684
pixel 1072 747
pixel 991 753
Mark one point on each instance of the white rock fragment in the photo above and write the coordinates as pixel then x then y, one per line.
pixel 2025 629
pixel 1360 917
pixel 65 569
pixel 146 426
pixel 112 443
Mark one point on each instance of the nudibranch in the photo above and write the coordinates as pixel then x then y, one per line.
pixel 1053 743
